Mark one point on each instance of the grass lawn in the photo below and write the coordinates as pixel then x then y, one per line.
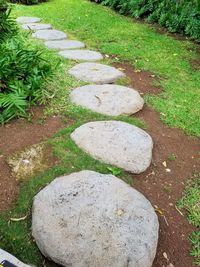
pixel 139 44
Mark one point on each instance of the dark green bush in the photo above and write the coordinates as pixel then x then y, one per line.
pixel 7 25
pixel 27 2
pixel 22 70
pixel 22 74
pixel 182 16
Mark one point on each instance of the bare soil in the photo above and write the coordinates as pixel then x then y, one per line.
pixel 15 137
pixel 162 183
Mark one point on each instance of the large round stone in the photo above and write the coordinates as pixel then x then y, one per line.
pixel 88 219
pixel 96 73
pixel 117 143
pixel 64 44
pixel 36 26
pixel 82 55
pixel 49 35
pixel 24 20
pixel 108 99
pixel 8 257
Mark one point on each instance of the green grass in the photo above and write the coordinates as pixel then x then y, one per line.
pixel 191 203
pixel 110 33
pixel 139 44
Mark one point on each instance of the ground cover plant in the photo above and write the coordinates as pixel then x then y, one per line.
pixel 176 16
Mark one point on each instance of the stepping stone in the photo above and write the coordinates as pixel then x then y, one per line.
pixel 8 257
pixel 84 55
pixel 108 99
pixel 64 44
pixel 36 26
pixel 25 20
pixel 92 219
pixel 117 143
pixel 49 35
pixel 96 73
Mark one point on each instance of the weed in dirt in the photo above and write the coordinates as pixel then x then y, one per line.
pixel 171 157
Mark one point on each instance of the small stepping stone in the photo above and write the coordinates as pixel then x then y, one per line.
pixel 92 219
pixel 8 257
pixel 84 55
pixel 25 20
pixel 49 35
pixel 36 26
pixel 117 143
pixel 108 99
pixel 64 44
pixel 96 73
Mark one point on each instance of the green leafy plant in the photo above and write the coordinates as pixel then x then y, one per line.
pixel 27 2
pixel 8 26
pixel 22 73
pixel 114 171
pixel 177 16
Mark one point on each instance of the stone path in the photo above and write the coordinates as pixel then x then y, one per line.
pixel 49 35
pixel 36 26
pixel 100 221
pixel 115 225
pixel 108 99
pixel 96 73
pixel 64 44
pixel 117 143
pixel 82 55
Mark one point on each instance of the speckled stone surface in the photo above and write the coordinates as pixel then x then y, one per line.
pixel 88 219
pixel 81 55
pixel 64 44
pixel 36 26
pixel 117 143
pixel 49 35
pixel 108 99
pixel 24 20
pixel 96 73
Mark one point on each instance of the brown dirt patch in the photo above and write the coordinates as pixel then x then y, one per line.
pixel 140 79
pixel 164 188
pixel 16 136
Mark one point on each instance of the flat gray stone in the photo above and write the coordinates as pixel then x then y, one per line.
pixel 8 257
pixel 49 35
pixel 24 20
pixel 64 44
pixel 108 99
pixel 82 55
pixel 96 73
pixel 36 26
pixel 117 143
pixel 88 219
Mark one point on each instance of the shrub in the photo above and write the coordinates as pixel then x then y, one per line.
pixel 22 70
pixel 27 2
pixel 181 16
pixel 22 73
pixel 7 25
